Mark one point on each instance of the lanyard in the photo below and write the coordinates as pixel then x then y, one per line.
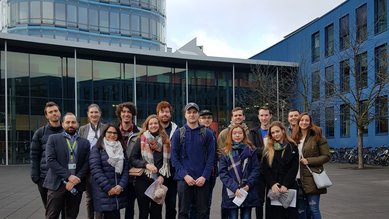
pixel 71 149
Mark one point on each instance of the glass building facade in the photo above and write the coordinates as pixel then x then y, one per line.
pixel 34 71
pixel 126 23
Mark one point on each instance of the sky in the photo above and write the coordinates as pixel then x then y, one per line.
pixel 238 29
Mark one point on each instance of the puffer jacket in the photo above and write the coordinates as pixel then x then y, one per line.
pixel 317 153
pixel 38 151
pixel 104 178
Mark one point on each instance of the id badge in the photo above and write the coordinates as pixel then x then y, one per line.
pixel 72 166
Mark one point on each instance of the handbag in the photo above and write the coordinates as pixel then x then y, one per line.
pixel 134 171
pixel 321 179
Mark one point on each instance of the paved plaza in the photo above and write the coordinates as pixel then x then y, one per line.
pixel 356 194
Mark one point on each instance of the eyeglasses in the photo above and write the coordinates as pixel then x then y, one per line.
pixel 112 133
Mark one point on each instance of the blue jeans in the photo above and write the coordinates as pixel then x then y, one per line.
pixel 313 204
pixel 245 213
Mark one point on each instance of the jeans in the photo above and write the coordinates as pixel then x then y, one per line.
pixel 245 213
pixel 313 204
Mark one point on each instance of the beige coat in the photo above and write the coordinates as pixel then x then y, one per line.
pixel 317 153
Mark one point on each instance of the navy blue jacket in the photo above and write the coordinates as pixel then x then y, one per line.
pixel 196 156
pixel 104 178
pixel 250 177
pixel 38 151
pixel 57 157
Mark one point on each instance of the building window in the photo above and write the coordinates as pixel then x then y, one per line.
pixel 315 85
pixel 363 109
pixel 329 40
pixel 344 120
pixel 344 34
pixel 381 63
pixel 23 12
pixel 330 122
pixel 315 47
pixel 381 113
pixel 114 22
pixel 345 76
pixel 316 116
pixel 329 83
pixel 60 14
pixel 380 19
pixel 103 21
pixel 92 19
pixel 135 25
pixel 83 18
pixel 361 70
pixel 124 23
pixel 48 12
pixel 35 12
pixel 71 15
pixel 361 23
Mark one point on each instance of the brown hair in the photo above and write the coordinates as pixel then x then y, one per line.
pixel 131 106
pixel 237 109
pixel 268 151
pixel 50 104
pixel 313 129
pixel 162 105
pixel 161 130
pixel 265 108
pixel 228 143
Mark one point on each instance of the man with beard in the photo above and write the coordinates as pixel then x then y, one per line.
pixel 38 147
pixel 258 136
pixel 164 113
pixel 126 113
pixel 67 157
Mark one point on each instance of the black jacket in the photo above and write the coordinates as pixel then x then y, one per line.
pixel 38 151
pixel 255 137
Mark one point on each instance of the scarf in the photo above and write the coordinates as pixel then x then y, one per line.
pixel 149 144
pixel 115 154
pixel 239 160
pixel 279 146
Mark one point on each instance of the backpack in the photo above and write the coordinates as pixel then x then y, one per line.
pixel 203 134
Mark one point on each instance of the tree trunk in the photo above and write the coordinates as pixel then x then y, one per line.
pixel 360 148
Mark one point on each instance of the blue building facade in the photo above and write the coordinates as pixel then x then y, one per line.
pixel 351 39
pixel 126 23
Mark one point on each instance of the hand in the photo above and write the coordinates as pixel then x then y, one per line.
pixel 160 180
pixel 69 186
pixel 275 188
pixel 237 193
pixel 200 181
pixel 151 168
pixel 283 189
pixel 304 161
pixel 118 189
pixel 246 188
pixel 189 180
pixel 74 179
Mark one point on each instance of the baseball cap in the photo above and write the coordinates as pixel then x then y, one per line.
pixel 205 112
pixel 191 105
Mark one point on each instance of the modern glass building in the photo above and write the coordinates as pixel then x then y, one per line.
pixel 125 23
pixel 342 54
pixel 76 74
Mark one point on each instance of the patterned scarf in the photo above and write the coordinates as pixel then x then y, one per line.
pixel 115 154
pixel 239 160
pixel 149 144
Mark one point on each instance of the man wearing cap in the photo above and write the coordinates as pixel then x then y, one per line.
pixel 192 155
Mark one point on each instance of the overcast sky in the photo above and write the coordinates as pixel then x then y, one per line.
pixel 238 29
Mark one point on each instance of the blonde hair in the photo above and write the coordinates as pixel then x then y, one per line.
pixel 268 151
pixel 228 142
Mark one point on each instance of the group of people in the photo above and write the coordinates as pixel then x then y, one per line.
pixel 116 163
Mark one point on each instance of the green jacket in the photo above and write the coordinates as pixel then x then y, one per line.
pixel 317 153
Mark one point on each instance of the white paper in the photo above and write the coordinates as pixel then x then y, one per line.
pixel 292 204
pixel 150 191
pixel 239 200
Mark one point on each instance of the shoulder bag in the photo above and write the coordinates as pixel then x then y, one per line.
pixel 321 179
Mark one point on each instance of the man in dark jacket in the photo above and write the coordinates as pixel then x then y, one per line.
pixel 258 136
pixel 67 157
pixel 192 155
pixel 38 147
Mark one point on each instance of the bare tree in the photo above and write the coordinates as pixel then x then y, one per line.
pixel 357 90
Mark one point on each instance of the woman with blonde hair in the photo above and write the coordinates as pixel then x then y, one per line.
pixel 239 170
pixel 280 165
pixel 313 152
pixel 151 152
